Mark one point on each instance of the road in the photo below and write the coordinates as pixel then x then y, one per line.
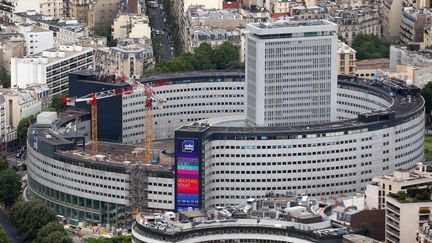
pixel 8 228
pixel 161 27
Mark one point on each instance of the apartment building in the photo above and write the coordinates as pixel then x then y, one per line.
pixel 36 38
pixel 413 23
pixel 11 45
pixel 405 213
pixel 130 57
pixel 411 63
pixel 213 27
pixel 102 12
pixel 351 22
pixel 391 17
pixel 274 60
pixel 131 26
pixel 79 10
pixel 380 187
pixel 64 31
pixel 52 8
pixel 50 67
pixel 346 59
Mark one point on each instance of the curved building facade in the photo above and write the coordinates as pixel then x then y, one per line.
pixel 381 128
pixel 222 161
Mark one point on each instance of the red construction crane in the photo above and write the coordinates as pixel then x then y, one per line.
pixel 92 99
pixel 149 96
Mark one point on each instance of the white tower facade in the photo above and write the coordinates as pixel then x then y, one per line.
pixel 291 73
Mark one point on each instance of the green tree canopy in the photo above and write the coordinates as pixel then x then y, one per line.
pixel 57 237
pixel 115 239
pixel 426 92
pixel 370 47
pixel 30 217
pixel 23 126
pixel 57 103
pixel 3 236
pixel 5 78
pixel 4 164
pixel 10 186
pixel 224 57
pixel 104 30
pixel 47 230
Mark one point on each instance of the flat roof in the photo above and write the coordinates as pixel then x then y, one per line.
pixel 401 106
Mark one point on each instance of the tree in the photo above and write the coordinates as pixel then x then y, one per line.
pixel 370 47
pixel 3 236
pixel 48 229
pixel 224 57
pixel 57 102
pixel 10 186
pixel 4 164
pixel 426 92
pixel 57 237
pixel 23 126
pixel 105 30
pixel 115 239
pixel 5 78
pixel 30 217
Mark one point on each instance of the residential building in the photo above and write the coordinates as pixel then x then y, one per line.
pixel 391 17
pixel 369 68
pixel 346 59
pixel 130 57
pixel 134 6
pixel 411 63
pixel 400 180
pixel 413 23
pixel 181 7
pixel 93 41
pixel 12 45
pixel 102 12
pixel 52 8
pixel 79 10
pixel 427 36
pixel 131 26
pixel 214 27
pixel 351 22
pixel 36 38
pixel 50 67
pixel 424 233
pixel 405 213
pixel 21 104
pixel 65 31
pixel 274 62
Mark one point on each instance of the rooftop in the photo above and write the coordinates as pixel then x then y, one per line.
pixel 56 54
pixel 290 24
pixel 68 24
pixel 413 195
pixel 405 100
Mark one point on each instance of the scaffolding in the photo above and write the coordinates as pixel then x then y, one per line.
pixel 138 188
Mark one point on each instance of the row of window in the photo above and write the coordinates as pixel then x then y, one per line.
pixel 284 172
pixel 221 155
pixel 283 162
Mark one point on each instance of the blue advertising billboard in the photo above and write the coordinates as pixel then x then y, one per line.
pixel 188 173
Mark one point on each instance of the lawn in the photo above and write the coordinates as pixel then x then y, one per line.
pixel 428 147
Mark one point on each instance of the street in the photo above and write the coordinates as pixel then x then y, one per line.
pixel 161 30
pixel 8 228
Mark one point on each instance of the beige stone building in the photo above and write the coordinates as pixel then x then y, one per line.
pixel 391 15
pixel 80 10
pixel 405 216
pixel 346 59
pixel 11 46
pixel 131 26
pixel 130 57
pixel 362 20
pixel 52 7
pixel 413 23
pixel 102 12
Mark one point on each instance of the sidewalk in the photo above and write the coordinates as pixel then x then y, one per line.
pixel 8 228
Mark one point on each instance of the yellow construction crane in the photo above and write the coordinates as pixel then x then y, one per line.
pixel 92 99
pixel 149 97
